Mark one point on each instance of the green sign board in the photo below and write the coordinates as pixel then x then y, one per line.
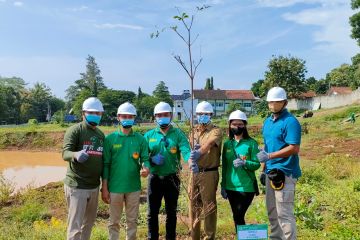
pixel 252 232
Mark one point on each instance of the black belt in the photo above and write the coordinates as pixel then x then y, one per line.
pixel 163 177
pixel 208 169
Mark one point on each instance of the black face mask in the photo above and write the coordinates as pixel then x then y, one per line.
pixel 237 131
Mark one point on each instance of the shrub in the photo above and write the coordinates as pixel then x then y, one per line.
pixel 357 185
pixel 33 121
pixel 30 212
pixel 6 189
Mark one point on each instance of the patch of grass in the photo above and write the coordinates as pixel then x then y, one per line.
pixel 6 190
pixel 30 212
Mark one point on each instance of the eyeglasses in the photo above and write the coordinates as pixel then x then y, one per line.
pixel 238 125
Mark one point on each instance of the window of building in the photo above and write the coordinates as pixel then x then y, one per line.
pixel 219 104
pixel 247 105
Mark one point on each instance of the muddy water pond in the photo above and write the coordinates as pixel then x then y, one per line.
pixel 32 169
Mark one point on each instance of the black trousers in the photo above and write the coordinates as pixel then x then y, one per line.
pixel 169 188
pixel 239 202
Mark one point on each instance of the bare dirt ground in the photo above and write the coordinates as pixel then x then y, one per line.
pixel 319 148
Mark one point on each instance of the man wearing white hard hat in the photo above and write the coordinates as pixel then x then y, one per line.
pixel 239 163
pixel 204 164
pixel 282 137
pixel 165 143
pixel 126 158
pixel 83 148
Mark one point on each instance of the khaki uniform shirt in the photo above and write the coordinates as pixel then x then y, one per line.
pixel 210 159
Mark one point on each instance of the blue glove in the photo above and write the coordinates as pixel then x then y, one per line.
pixel 158 159
pixel 195 155
pixel 223 193
pixel 81 156
pixel 262 156
pixel 197 146
pixel 194 167
pixel 238 163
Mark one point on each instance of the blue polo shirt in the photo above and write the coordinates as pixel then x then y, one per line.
pixel 278 134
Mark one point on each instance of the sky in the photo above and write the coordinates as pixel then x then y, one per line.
pixel 49 41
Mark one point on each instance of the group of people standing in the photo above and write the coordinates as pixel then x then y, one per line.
pixel 121 158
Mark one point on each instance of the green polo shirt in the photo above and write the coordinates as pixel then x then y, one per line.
pixel 84 175
pixel 123 158
pixel 177 144
pixel 239 179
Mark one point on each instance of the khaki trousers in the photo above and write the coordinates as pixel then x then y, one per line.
pixel 132 202
pixel 82 206
pixel 202 192
pixel 280 208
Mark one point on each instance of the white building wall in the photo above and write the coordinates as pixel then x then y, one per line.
pixel 325 101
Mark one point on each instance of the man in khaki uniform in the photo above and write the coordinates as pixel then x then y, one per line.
pixel 204 163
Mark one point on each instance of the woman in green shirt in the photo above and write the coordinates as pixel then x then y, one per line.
pixel 239 163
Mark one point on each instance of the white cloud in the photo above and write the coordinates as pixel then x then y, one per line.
pixel 273 37
pixel 118 25
pixel 79 9
pixel 18 4
pixel 334 29
pixel 288 3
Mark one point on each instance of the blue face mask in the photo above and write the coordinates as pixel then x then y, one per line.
pixel 163 122
pixel 127 123
pixel 203 119
pixel 92 120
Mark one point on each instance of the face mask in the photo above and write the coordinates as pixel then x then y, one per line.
pixel 127 123
pixel 276 107
pixel 163 122
pixel 237 130
pixel 92 120
pixel 203 119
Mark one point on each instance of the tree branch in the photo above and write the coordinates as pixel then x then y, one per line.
pixel 178 59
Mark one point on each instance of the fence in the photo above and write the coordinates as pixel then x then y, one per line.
pixel 324 101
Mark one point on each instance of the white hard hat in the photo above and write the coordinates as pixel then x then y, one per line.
pixel 276 94
pixel 237 115
pixel 204 107
pixel 162 107
pixel 92 104
pixel 126 108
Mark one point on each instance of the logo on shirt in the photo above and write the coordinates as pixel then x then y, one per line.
pixel 135 155
pixel 173 150
pixel 152 140
pixel 117 146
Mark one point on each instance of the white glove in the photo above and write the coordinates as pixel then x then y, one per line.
pixel 262 156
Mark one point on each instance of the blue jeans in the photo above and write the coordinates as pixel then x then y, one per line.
pixel 169 188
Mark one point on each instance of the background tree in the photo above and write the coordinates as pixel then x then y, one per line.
pixel 288 73
pixel 111 100
pixel 258 88
pixel 261 108
pixel 162 93
pixel 90 84
pixel 77 103
pixel 321 86
pixel 140 94
pixel 209 84
pixel 310 84
pixel 145 107
pixel 342 76
pixel 232 107
pixel 355 21
pixel 356 70
pixel 91 79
